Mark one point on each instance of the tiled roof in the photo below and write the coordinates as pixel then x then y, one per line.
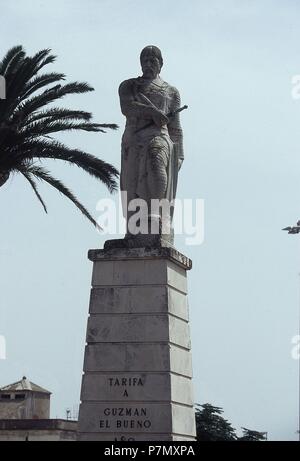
pixel 24 385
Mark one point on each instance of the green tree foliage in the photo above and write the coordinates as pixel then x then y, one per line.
pixel 211 426
pixel 27 125
pixel 252 436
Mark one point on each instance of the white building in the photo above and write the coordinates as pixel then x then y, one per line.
pixel 25 414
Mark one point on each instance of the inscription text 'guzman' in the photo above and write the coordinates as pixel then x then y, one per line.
pixel 125 423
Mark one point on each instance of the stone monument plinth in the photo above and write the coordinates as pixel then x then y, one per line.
pixel 137 381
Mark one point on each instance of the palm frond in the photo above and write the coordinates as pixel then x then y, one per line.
pixel 43 174
pixel 48 96
pixel 34 187
pixel 42 149
pixel 14 64
pixel 111 126
pixel 40 81
pixel 8 57
pixel 47 60
pixel 36 62
pixel 58 113
pixel 38 129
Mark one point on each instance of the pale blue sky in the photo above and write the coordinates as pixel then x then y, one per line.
pixel 232 61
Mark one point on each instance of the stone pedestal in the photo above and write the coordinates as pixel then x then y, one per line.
pixel 137 368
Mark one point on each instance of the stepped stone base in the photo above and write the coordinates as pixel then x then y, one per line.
pixel 137 382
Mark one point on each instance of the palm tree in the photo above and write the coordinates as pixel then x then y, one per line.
pixel 27 125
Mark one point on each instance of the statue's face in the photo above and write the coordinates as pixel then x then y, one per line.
pixel 150 65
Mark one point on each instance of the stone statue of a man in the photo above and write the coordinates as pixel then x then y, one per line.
pixel 152 149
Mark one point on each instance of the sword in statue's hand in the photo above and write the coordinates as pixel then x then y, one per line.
pixel 169 115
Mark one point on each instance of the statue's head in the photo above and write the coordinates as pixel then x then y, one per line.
pixel 151 61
